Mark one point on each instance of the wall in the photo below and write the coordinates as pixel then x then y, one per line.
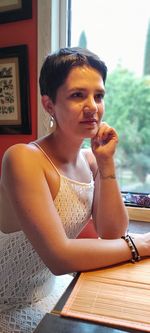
pixel 88 231
pixel 16 33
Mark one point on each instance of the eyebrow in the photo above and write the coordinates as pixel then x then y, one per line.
pixel 84 89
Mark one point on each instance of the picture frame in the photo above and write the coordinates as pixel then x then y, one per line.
pixel 14 90
pixel 15 10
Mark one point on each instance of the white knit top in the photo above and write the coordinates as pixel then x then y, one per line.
pixel 27 288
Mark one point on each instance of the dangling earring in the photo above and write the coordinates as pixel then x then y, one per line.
pixel 52 123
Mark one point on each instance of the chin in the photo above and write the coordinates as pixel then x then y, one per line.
pixel 92 133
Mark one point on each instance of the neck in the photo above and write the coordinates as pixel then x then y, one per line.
pixel 66 149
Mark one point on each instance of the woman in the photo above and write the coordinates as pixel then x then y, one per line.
pixel 51 187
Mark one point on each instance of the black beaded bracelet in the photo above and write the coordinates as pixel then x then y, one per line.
pixel 133 248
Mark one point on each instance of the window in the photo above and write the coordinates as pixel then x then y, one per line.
pixel 119 32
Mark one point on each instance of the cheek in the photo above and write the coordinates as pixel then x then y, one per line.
pixel 101 110
pixel 75 110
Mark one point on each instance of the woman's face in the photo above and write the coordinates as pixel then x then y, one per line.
pixel 79 103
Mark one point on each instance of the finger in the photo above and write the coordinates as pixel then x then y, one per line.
pixel 105 134
pixel 110 134
pixel 100 135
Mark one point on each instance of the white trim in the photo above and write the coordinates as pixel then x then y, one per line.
pixel 44 46
pixel 52 34
pixel 59 24
pixel 63 23
pixel 55 24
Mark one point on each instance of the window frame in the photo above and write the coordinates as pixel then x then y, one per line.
pixel 55 12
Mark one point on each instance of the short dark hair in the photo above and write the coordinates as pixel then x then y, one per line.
pixel 57 66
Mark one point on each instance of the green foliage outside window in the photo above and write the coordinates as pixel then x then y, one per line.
pixel 127 104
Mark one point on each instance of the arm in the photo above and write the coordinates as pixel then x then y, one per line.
pixel 25 182
pixel 109 212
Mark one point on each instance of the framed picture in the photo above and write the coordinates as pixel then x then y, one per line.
pixel 14 90
pixel 15 10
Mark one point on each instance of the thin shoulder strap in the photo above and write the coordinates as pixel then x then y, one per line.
pixel 41 149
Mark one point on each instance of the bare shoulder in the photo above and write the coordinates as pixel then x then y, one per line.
pixel 90 159
pixel 14 150
pixel 19 159
pixel 18 153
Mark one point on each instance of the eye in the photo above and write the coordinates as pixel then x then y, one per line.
pixel 99 97
pixel 77 94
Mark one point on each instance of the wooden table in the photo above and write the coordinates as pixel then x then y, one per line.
pixel 54 323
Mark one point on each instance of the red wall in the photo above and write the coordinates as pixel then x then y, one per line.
pixel 16 33
pixel 88 231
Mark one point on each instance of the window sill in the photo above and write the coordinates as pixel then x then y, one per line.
pixel 139 214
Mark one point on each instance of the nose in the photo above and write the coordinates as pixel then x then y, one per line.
pixel 90 107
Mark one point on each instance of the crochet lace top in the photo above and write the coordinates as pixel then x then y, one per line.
pixel 27 288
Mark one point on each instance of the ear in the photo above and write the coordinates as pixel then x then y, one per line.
pixel 47 104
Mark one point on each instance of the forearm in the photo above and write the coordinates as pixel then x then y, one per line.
pixel 89 254
pixel 110 214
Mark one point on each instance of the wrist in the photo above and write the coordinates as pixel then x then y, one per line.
pixel 109 176
pixel 107 170
pixel 141 244
pixel 134 251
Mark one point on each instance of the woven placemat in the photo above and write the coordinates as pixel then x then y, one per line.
pixel 116 296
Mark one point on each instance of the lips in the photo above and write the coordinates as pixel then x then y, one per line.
pixel 88 121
